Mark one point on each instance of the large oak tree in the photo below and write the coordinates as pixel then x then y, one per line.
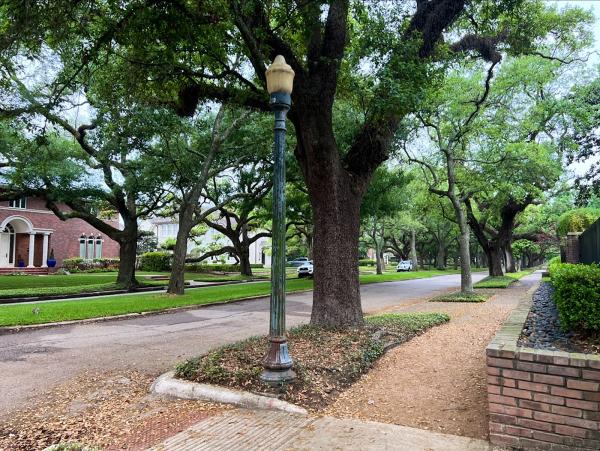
pixel 379 55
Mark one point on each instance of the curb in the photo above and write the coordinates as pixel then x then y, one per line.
pixel 167 384
pixel 5 330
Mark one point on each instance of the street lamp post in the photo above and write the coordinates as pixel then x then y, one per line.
pixel 277 362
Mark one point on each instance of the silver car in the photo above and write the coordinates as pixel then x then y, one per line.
pixel 404 265
pixel 306 270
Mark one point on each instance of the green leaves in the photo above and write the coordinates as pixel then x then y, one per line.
pixel 577 296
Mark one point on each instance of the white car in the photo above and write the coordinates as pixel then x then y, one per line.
pixel 306 270
pixel 404 265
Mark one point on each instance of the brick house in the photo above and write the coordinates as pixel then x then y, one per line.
pixel 29 231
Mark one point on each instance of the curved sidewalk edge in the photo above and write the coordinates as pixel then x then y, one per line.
pixel 167 384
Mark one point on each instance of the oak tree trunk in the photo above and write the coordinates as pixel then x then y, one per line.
pixel 440 258
pixel 413 250
pixel 495 261
pixel 177 277
pixel 336 296
pixel 511 264
pixel 244 256
pixel 127 256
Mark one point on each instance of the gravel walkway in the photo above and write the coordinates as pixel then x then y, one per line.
pixel 437 381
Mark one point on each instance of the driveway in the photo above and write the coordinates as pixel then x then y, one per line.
pixel 32 362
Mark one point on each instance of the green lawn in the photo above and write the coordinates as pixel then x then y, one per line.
pixel 396 276
pixel 38 313
pixel 503 281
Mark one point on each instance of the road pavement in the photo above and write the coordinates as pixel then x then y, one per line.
pixel 33 361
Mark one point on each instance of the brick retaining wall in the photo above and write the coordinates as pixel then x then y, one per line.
pixel 541 399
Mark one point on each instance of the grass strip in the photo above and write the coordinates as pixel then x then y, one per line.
pixel 56 291
pixel 326 361
pixel 48 312
pixel 457 296
pixel 502 281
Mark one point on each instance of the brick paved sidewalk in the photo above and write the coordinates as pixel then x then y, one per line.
pixel 250 430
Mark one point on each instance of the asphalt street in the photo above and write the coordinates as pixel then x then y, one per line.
pixel 33 361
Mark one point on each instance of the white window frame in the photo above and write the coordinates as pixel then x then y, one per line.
pixel 99 241
pixel 20 203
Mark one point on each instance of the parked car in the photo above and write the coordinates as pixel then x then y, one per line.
pixel 297 262
pixel 306 270
pixel 404 265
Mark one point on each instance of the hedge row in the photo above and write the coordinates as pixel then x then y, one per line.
pixel 161 262
pixel 78 264
pixel 577 295
pixel 366 262
pixel 155 261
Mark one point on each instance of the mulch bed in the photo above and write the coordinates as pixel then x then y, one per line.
pixel 326 361
pixel 542 329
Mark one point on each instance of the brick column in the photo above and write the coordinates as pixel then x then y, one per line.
pixel 572 251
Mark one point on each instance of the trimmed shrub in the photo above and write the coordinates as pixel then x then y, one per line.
pixel 72 264
pixel 577 296
pixel 78 264
pixel 366 262
pixel 155 261
pixel 552 263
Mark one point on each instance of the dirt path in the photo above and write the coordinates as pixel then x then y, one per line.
pixel 437 381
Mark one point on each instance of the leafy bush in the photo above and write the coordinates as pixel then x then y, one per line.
pixel 552 264
pixel 577 296
pixel 77 264
pixel 366 262
pixel 202 267
pixel 576 220
pixel 155 261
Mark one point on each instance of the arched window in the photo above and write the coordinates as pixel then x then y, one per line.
pixel 90 248
pixel 82 246
pixel 98 246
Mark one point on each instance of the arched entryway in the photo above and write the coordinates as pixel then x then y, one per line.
pixel 21 244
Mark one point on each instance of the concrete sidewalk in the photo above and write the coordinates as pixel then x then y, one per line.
pixel 262 430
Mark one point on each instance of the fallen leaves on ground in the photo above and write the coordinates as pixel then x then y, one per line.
pixel 109 410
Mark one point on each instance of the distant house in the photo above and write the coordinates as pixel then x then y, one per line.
pixel 29 231
pixel 167 228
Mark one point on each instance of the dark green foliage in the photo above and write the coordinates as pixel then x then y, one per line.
pixel 577 220
pixel 155 261
pixel 366 262
pixel 577 296
pixel 146 242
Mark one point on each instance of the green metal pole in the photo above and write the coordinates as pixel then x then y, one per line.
pixel 277 361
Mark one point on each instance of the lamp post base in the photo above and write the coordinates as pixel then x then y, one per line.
pixel 277 363
pixel 278 377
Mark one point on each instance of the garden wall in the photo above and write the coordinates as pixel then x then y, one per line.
pixel 541 399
